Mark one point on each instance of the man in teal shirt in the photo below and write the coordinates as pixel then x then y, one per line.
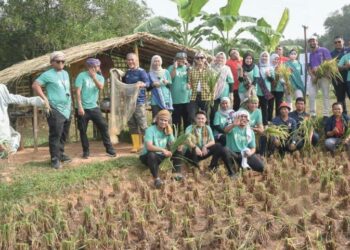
pixel 88 85
pixel 57 85
pixel 180 90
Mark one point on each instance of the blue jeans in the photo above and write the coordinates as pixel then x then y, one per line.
pixel 332 143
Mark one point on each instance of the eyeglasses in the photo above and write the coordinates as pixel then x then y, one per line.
pixel 243 116
pixel 60 61
pixel 335 42
pixel 200 58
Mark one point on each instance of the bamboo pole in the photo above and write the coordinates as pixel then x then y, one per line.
pixel 306 61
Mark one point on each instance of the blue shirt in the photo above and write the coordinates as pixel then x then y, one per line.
pixel 290 123
pixel 135 75
pixel 298 117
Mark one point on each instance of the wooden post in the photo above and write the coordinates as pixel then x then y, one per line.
pixel 306 61
pixel 35 128
pixel 136 51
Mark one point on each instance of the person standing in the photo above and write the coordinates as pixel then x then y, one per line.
pixel 267 76
pixel 341 86
pixel 88 85
pixel 279 51
pixel 138 121
pixel 317 56
pixel 180 90
pixel 248 78
pixel 198 80
pixel 57 86
pixel 278 84
pixel 235 64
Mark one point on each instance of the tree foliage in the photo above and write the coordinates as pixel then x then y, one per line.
pixel 30 28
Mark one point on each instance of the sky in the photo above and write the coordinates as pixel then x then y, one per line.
pixel 311 13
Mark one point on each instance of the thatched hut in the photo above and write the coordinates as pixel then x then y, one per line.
pixel 111 52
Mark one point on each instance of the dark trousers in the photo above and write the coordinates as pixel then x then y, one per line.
pixel 153 160
pixel 253 161
pixel 278 100
pixel 155 110
pixel 196 105
pixel 96 117
pixel 341 89
pixel 218 152
pixel 236 100
pixel 58 133
pixel 266 107
pixel 221 138
pixel 181 114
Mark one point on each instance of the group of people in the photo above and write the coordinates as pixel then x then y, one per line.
pixel 227 122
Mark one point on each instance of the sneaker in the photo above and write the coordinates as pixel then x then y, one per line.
pixel 65 158
pixel 86 155
pixel 111 153
pixel 158 183
pixel 56 164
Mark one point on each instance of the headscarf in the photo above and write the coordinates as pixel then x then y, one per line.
pixel 165 114
pixel 273 58
pixel 157 72
pixel 225 113
pixel 252 98
pixel 249 131
pixel 224 72
pixel 93 62
pixel 57 55
pixel 246 67
pixel 267 64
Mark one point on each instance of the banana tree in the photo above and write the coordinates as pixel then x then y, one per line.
pixel 267 37
pixel 179 31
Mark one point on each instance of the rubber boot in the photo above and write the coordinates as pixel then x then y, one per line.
pixel 135 143
pixel 140 146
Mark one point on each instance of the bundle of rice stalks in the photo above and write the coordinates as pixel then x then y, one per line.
pixel 213 78
pixel 328 69
pixel 184 139
pixel 283 72
pixel 305 131
pixel 277 132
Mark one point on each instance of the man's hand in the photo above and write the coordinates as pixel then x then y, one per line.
pixel 141 84
pixel 277 142
pixel 198 151
pixel 292 147
pixel 249 153
pixel 335 131
pixel 167 153
pixel 204 151
pixel 175 64
pixel 92 73
pixel 81 111
pixel 156 84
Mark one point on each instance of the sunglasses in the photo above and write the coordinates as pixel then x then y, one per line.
pixel 335 42
pixel 200 58
pixel 60 61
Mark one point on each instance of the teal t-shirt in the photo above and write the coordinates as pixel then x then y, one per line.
pixel 157 137
pixel 57 87
pixel 255 117
pixel 267 82
pixel 228 85
pixel 236 139
pixel 251 75
pixel 164 88
pixel 89 91
pixel 343 61
pixel 179 91
pixel 219 120
pixel 198 132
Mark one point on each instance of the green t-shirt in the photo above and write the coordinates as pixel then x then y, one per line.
pixel 57 87
pixel 228 85
pixel 343 61
pixel 236 139
pixel 219 120
pixel 198 132
pixel 164 88
pixel 89 92
pixel 179 91
pixel 255 117
pixel 251 75
pixel 267 82
pixel 157 137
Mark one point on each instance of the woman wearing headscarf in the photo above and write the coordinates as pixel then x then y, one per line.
pixel 157 140
pixel 204 145
pixel 235 64
pixel 248 77
pixel 160 81
pixel 296 80
pixel 223 86
pixel 222 117
pixel 241 142
pixel 278 88
pixel 267 75
pixel 198 80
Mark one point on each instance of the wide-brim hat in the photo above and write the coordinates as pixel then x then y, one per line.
pixel 284 105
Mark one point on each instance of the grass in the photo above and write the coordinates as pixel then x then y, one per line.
pixel 37 179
